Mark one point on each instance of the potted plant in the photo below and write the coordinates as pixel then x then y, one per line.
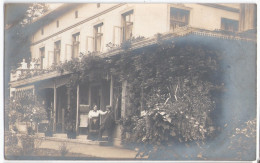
pixel 71 129
pixel 49 130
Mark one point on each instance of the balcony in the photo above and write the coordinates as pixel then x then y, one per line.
pixel 25 71
pixel 175 23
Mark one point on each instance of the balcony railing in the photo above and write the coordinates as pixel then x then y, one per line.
pixel 177 23
pixel 25 71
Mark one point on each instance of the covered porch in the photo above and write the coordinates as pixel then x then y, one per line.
pixel 67 108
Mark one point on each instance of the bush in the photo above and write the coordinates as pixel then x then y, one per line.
pixel 48 131
pixel 30 131
pixel 63 149
pixel 10 139
pixel 27 144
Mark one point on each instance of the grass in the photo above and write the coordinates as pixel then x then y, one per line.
pixel 45 154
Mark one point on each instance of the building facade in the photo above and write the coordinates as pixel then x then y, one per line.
pixel 74 30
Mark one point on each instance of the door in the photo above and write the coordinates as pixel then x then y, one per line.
pixel 95 96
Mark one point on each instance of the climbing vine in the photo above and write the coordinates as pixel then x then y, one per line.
pixel 171 89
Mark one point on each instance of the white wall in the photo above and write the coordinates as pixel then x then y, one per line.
pixel 149 19
pixel 208 17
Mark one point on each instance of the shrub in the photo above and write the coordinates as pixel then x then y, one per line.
pixel 27 144
pixel 10 139
pixel 63 149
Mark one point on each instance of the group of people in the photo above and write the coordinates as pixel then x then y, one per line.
pixel 107 123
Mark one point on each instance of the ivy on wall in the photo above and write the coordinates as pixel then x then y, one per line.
pixel 170 90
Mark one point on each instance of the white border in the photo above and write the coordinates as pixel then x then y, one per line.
pixel 116 1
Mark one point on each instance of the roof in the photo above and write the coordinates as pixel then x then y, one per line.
pixel 50 16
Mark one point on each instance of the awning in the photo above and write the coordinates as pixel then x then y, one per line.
pixel 50 83
pixel 25 88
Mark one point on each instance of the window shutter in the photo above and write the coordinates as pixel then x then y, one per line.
pixel 90 43
pixel 117 33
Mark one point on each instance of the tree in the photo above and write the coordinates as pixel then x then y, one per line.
pixel 25 108
pixel 17 32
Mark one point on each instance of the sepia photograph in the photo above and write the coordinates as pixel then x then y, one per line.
pixel 130 81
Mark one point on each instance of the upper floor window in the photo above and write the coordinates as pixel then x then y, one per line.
pixel 76 14
pixel 57 47
pixel 178 18
pixel 75 45
pixel 57 23
pixel 98 37
pixel 42 55
pixel 229 25
pixel 42 31
pixel 127 28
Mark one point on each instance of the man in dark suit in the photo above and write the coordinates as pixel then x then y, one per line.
pixel 108 124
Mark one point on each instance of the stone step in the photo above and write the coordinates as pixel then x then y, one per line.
pixel 84 137
pixel 60 135
pixel 105 143
pixel 40 134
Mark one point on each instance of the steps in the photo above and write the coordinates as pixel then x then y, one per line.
pixel 60 135
pixel 82 137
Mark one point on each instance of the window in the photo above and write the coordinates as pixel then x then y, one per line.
pixel 229 25
pixel 75 45
pixel 127 28
pixel 42 55
pixel 76 14
pixel 178 18
pixel 98 37
pixel 57 23
pixel 42 31
pixel 57 46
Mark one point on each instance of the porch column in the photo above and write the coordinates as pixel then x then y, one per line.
pixel 54 107
pixel 68 93
pixel 111 91
pixel 77 114
pixel 63 120
pixel 124 95
pixel 89 96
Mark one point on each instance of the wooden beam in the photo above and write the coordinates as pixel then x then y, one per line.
pixel 63 120
pixel 54 107
pixel 124 99
pixel 111 91
pixel 89 95
pixel 77 114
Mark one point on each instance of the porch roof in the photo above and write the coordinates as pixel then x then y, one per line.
pixel 37 78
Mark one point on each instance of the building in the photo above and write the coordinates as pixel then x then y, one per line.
pixel 73 30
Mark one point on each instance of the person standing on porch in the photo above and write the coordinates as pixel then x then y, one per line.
pixel 95 113
pixel 94 121
pixel 108 124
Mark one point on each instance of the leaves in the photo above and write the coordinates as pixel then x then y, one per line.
pixel 26 108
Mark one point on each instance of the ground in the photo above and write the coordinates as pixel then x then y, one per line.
pixel 50 149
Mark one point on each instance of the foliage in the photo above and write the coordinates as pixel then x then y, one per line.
pixel 17 37
pixel 70 123
pixel 11 139
pixel 172 84
pixel 26 108
pixel 246 134
pixel 176 95
pixel 63 149
pixel 34 11
pixel 27 144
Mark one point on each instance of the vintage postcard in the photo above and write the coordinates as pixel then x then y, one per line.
pixel 126 81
